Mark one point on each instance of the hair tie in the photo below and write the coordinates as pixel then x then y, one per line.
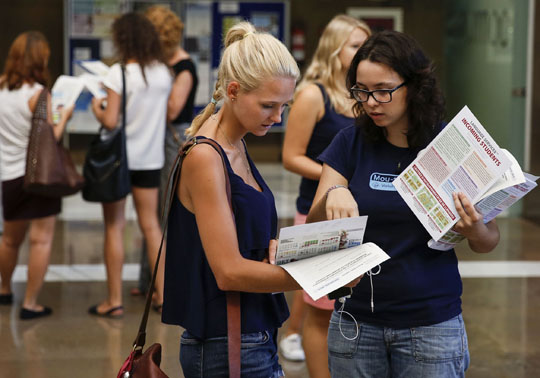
pixel 248 33
pixel 213 101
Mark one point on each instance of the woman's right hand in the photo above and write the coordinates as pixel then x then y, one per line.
pixel 340 203
pixel 96 105
pixel 354 282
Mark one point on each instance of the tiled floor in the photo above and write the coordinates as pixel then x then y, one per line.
pixel 501 302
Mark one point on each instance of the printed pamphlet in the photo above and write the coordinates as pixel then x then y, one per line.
pixel 65 92
pixel 67 89
pixel 325 256
pixel 94 84
pixel 490 206
pixel 463 157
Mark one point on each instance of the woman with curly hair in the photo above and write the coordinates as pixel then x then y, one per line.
pixel 180 105
pixel 24 77
pixel 148 83
pixel 182 98
pixel 405 320
pixel 321 108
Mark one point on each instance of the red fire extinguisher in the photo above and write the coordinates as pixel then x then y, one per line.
pixel 298 44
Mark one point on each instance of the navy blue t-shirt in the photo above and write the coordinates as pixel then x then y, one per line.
pixel 417 286
pixel 324 131
pixel 192 298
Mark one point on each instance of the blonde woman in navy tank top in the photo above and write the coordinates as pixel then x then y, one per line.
pixel 210 251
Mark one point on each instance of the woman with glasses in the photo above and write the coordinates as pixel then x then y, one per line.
pixel 404 318
pixel 322 107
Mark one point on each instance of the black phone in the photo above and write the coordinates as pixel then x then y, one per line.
pixel 340 293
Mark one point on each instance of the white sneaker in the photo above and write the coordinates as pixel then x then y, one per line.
pixel 291 347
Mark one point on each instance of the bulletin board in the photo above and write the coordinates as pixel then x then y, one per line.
pixel 88 37
pixel 206 22
pixel 88 25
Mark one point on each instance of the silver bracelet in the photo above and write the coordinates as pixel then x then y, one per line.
pixel 332 188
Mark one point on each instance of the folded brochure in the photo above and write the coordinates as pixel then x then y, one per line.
pixel 325 256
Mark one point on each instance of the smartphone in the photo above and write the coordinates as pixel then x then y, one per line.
pixel 340 293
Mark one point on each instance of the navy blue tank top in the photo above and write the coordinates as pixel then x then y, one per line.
pixel 192 298
pixel 186 115
pixel 324 131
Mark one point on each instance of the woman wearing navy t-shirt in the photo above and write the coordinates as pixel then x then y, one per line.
pixel 409 310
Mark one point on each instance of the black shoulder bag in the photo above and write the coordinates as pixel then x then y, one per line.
pixel 106 167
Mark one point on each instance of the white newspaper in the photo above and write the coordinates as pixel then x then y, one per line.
pixel 490 206
pixel 463 157
pixel 325 256
pixel 65 92
pixel 94 84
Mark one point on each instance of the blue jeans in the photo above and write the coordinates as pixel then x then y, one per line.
pixel 436 351
pixel 209 358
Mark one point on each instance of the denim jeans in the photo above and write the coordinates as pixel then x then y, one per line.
pixel 209 358
pixel 435 351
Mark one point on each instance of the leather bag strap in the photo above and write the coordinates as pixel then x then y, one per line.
pixel 234 332
pixel 233 298
pixel 40 111
pixel 174 134
pixel 124 98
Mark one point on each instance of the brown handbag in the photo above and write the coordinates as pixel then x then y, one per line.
pixel 50 171
pixel 145 364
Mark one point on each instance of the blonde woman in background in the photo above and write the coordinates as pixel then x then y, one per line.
pixel 322 107
pixel 211 251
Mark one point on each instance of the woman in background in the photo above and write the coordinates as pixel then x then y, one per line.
pixel 322 107
pixel 179 107
pixel 182 98
pixel 25 75
pixel 148 83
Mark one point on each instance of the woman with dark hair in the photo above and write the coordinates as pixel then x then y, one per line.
pixel 405 320
pixel 180 105
pixel 25 75
pixel 148 82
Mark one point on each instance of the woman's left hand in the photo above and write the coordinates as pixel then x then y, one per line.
pixel 482 237
pixel 471 223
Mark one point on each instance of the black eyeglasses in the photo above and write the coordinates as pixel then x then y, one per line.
pixel 380 95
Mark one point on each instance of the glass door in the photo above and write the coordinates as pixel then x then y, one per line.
pixel 486 65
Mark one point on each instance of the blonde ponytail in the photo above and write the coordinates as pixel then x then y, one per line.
pixel 249 58
pixel 238 32
pixel 205 113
